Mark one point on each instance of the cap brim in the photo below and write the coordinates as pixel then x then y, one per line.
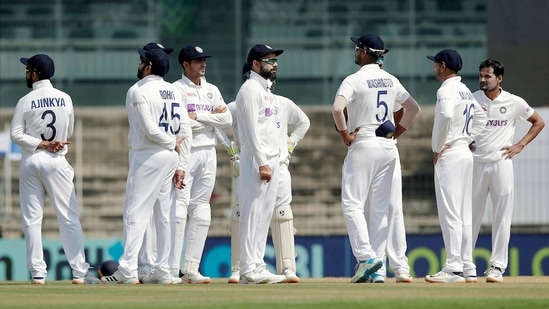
pixel 24 61
pixel 168 50
pixel 432 58
pixel 202 56
pixel 142 52
pixel 355 40
pixel 386 51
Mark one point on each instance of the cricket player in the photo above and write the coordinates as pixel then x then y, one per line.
pixel 207 111
pixel 42 124
pixel 160 139
pixel 259 164
pixel 282 228
pixel 458 120
pixel 147 252
pixel 369 96
pixel 493 167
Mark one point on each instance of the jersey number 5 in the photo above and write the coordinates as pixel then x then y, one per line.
pixel 382 104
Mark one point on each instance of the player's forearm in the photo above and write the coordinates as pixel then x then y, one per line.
pixel 337 113
pixel 537 125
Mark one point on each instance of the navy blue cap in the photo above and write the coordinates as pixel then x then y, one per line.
pixel 191 52
pixel 158 59
pixel 386 129
pixel 372 41
pixel 261 50
pixel 450 58
pixel 151 46
pixel 41 64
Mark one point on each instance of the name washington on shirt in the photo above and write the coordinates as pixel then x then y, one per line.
pixel 379 83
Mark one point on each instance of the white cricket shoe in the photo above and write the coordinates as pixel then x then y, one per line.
pixel 403 276
pixel 142 273
pixel 470 278
pixel 376 278
pixel 153 278
pixel 290 275
pixel 89 278
pixel 263 277
pixel 365 268
pixel 118 278
pixel 38 280
pixel 444 277
pixel 494 275
pixel 194 277
pixel 235 275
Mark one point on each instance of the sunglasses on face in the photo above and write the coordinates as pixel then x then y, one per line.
pixel 270 60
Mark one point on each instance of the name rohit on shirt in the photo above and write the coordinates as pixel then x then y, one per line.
pixel 48 102
pixel 380 83
pixel 167 94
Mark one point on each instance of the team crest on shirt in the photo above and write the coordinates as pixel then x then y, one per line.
pixel 503 110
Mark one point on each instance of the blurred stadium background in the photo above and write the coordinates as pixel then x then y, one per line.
pixel 94 47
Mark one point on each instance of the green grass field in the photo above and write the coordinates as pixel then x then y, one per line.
pixel 515 292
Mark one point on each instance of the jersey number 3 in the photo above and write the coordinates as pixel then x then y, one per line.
pixel 51 115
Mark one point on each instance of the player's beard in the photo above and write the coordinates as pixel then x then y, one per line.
pixel 29 82
pixel 140 72
pixel 266 74
pixel 487 87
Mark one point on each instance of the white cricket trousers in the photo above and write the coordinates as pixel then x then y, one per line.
pixel 366 187
pixel 44 173
pixel 394 246
pixel 453 188
pixel 497 180
pixel 149 192
pixel 257 201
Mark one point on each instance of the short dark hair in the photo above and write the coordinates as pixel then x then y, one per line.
pixel 496 65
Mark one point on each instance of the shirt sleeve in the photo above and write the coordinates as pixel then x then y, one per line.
pixel 17 133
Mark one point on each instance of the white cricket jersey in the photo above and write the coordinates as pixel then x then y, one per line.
pixel 370 93
pixel 44 114
pixel 156 116
pixel 255 108
pixel 458 116
pixel 499 131
pixel 203 99
pixel 288 113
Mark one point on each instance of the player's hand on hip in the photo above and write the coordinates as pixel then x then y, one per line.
pixel 436 155
pixel 178 178
pixel 265 172
pixel 473 146
pixel 348 138
pixel 511 151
